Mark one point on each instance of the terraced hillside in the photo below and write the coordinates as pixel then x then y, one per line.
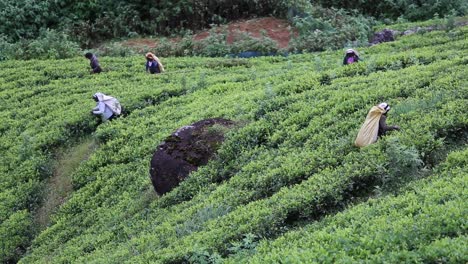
pixel 287 184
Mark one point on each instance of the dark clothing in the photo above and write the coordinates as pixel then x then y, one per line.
pixel 152 66
pixel 350 58
pixel 100 121
pixel 94 63
pixel 383 128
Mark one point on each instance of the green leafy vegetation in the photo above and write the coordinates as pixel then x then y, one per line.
pixel 59 185
pixel 288 177
pixel 425 223
pixel 32 29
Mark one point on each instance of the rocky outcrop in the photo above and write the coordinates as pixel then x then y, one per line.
pixel 184 151
pixel 385 35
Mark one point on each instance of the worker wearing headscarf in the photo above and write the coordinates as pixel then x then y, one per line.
pixel 351 56
pixel 153 64
pixel 374 126
pixel 107 106
pixel 383 127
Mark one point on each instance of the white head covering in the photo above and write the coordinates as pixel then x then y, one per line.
pixel 384 106
pixel 102 97
pixel 110 101
pixel 348 51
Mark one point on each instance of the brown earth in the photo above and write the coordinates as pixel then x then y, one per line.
pixel 276 29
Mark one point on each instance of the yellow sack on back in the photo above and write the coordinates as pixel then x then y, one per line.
pixel 369 130
pixel 161 66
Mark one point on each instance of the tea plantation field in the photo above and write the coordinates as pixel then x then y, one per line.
pixel 287 185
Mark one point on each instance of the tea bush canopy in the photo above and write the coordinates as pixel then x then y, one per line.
pixel 287 184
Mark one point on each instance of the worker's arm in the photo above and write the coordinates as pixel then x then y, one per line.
pixel 384 127
pixel 100 109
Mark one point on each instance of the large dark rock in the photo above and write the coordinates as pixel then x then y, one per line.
pixel 184 151
pixel 385 35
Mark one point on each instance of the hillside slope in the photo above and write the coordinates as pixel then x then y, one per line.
pixel 290 164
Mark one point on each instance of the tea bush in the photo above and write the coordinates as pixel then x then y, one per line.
pixel 289 163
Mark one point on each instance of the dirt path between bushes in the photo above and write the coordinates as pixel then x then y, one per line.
pixel 59 186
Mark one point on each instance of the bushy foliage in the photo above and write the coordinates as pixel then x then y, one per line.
pixel 423 224
pixel 49 45
pixel 330 29
pixel 290 162
pixel 102 21
pixel 245 42
pixel 25 18
pixel 17 232
pixel 215 45
pixel 91 22
pixel 412 10
pixel 116 49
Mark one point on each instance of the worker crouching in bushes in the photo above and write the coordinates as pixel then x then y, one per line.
pixel 153 64
pixel 94 63
pixel 351 56
pixel 375 126
pixel 107 107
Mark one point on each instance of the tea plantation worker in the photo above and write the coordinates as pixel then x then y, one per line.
pixel 383 127
pixel 375 125
pixel 351 56
pixel 94 63
pixel 107 106
pixel 153 64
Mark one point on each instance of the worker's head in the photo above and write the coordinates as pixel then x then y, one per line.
pixel 98 97
pixel 350 52
pixel 385 107
pixel 88 55
pixel 149 56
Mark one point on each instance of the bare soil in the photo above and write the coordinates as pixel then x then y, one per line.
pixel 278 30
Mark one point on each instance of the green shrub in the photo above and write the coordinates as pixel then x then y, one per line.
pixel 245 42
pixel 325 29
pixel 196 223
pixel 293 163
pixel 412 10
pixel 421 224
pixel 50 44
pixel 165 48
pixel 214 45
pixel 7 49
pixel 16 232
pixel 116 49
pixel 203 256
pixel 403 161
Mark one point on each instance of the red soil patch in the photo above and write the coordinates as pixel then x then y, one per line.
pixel 276 29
